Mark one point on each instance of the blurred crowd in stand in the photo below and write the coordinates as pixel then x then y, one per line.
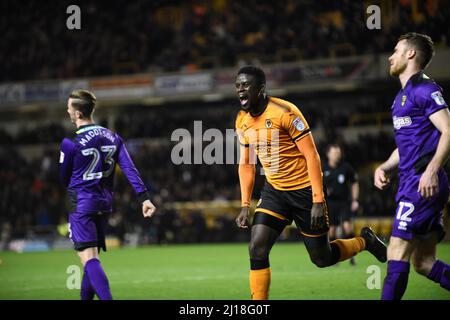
pixel 124 37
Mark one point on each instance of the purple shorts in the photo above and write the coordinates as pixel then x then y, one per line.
pixel 416 216
pixel 87 230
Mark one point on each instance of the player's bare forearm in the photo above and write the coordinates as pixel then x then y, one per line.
pixel 429 181
pixel 308 149
pixel 390 164
pixel 381 175
pixel 442 152
pixel 441 121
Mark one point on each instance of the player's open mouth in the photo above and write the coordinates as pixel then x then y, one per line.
pixel 243 100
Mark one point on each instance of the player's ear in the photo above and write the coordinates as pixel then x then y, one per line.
pixel 262 89
pixel 410 53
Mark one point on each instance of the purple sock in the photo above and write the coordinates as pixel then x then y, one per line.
pixel 87 291
pixel 440 273
pixel 396 280
pixel 98 279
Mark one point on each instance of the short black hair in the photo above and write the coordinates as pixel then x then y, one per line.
pixel 257 72
pixel 83 101
pixel 423 45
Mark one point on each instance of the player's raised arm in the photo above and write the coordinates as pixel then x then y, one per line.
pixel 429 182
pixel 129 169
pixel 246 171
pixel 381 178
pixel 66 161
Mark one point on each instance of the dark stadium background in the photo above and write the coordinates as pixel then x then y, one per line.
pixel 161 65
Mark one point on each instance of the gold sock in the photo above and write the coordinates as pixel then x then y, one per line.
pixel 260 283
pixel 350 247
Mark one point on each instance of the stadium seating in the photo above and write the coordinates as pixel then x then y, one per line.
pixel 208 34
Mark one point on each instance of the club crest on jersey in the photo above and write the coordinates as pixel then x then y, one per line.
pixel 438 98
pixel 268 123
pixel 403 100
pixel 298 124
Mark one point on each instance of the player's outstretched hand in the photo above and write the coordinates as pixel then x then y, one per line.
pixel 380 178
pixel 242 218
pixel 428 184
pixel 318 215
pixel 148 208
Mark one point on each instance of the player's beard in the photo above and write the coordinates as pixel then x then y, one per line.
pixel 397 68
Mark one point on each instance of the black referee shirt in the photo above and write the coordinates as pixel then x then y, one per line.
pixel 339 180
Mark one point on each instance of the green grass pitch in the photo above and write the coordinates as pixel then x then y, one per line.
pixel 202 272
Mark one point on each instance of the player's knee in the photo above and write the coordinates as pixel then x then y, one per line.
pixel 258 251
pixel 422 266
pixel 320 261
pixel 88 254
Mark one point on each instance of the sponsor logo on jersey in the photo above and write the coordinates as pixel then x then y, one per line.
pixel 438 98
pixel 61 157
pixel 402 225
pixel 400 122
pixel 259 202
pixel 298 124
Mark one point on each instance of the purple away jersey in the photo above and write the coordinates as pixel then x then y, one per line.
pixel 417 139
pixel 87 164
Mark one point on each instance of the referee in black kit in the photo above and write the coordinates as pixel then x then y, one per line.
pixel 342 187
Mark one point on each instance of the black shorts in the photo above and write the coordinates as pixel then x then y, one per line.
pixel 339 212
pixel 277 209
